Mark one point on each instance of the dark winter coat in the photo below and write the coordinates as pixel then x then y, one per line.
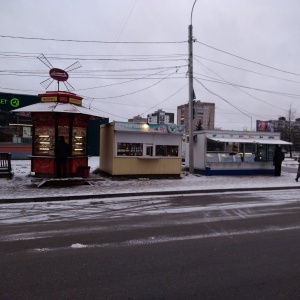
pixel 61 149
pixel 278 156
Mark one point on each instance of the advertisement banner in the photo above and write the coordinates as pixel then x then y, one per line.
pixel 264 126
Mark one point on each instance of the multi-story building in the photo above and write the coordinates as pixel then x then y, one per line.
pixel 160 117
pixel 204 112
pixel 138 119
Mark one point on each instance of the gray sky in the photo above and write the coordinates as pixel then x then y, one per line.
pixel 246 57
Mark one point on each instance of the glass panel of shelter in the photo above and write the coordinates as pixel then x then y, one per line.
pixel 237 152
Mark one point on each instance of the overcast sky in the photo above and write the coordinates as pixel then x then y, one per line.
pixel 134 54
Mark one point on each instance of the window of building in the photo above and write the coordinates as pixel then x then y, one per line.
pixel 212 157
pixel 78 140
pixel 15 129
pixel 215 146
pixel 139 149
pixel 129 149
pixel 149 150
pixel 162 150
pixel 265 152
pixel 44 142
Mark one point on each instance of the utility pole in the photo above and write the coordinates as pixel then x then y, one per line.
pixel 191 102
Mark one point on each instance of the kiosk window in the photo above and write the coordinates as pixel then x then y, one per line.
pixel 271 152
pixel 261 153
pixel 149 150
pixel 212 157
pixel 265 152
pixel 78 141
pixel 44 140
pixel 215 146
pixel 249 157
pixel 129 149
pixel 162 150
pixel 226 157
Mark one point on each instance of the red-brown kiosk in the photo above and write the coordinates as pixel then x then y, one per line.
pixel 59 114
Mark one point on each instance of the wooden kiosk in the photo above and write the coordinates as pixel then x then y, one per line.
pixel 59 114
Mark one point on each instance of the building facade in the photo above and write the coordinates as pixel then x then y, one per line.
pixel 204 112
pixel 15 130
pixel 138 119
pixel 160 117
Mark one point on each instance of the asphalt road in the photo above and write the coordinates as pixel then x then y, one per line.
pixel 222 246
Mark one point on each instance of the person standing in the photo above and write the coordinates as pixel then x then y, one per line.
pixel 298 171
pixel 61 154
pixel 277 160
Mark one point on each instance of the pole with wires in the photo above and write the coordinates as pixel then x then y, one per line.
pixel 191 102
pixel 191 98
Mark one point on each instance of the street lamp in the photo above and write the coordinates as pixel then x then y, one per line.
pixel 191 88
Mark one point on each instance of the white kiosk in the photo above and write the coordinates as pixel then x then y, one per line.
pixel 234 152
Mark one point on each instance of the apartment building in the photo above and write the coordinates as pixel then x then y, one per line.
pixel 203 112
pixel 160 117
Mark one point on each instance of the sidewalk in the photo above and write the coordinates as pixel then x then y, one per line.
pixel 22 189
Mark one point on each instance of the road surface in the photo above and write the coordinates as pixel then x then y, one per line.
pixel 220 246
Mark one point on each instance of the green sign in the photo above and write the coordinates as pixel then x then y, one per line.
pixel 10 102
pixel 15 102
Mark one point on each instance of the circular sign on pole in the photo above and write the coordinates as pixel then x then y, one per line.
pixel 58 74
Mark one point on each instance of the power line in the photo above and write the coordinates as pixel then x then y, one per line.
pixel 138 91
pixel 86 41
pixel 238 87
pixel 124 22
pixel 79 56
pixel 248 60
pixel 246 70
pixel 166 99
pixel 221 98
pixel 137 59
pixel 147 76
pixel 294 96
pixel 108 113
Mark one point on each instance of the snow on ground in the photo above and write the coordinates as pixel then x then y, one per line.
pixel 21 185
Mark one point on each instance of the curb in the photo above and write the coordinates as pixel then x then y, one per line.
pixel 130 194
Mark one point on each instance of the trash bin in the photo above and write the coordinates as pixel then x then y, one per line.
pixel 84 171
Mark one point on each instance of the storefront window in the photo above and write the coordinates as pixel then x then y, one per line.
pixel 212 157
pixel 249 147
pixel 226 157
pixel 265 152
pixel 271 152
pixel 249 157
pixel 78 141
pixel 15 129
pixel 129 149
pixel 149 150
pixel 162 150
pixel 261 153
pixel 215 146
pixel 44 141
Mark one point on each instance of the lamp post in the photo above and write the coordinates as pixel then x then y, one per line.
pixel 191 88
